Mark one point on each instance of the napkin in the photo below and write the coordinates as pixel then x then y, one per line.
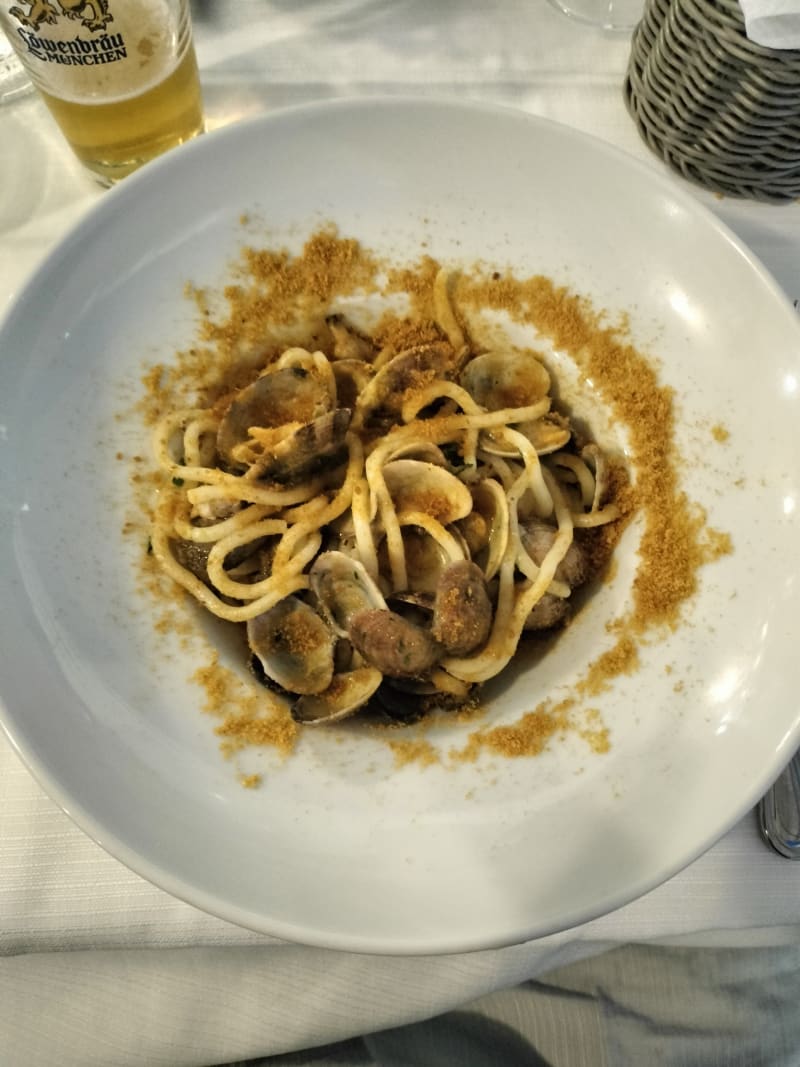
pixel 772 23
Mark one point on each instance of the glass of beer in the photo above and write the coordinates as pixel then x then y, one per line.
pixel 119 76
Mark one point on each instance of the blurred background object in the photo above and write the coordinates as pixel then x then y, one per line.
pixel 14 81
pixel 619 16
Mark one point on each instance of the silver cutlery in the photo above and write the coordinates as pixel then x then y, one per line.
pixel 779 812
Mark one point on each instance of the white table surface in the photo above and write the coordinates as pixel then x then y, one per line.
pixel 58 890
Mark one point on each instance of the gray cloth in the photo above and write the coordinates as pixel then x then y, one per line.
pixel 668 1006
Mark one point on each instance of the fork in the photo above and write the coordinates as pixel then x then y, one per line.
pixel 779 812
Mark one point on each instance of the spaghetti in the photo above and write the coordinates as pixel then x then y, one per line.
pixel 387 523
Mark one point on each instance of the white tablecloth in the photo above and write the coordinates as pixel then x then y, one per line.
pixel 213 991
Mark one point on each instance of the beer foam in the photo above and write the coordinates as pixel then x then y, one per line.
pixel 138 48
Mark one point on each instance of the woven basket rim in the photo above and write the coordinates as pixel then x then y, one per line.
pixel 718 108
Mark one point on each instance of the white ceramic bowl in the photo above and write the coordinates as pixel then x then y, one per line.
pixel 337 848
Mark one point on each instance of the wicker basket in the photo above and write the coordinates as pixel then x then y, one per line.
pixel 722 111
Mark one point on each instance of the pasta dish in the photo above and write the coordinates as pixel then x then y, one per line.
pixel 386 525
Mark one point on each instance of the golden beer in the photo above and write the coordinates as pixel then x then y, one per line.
pixel 119 76
pixel 114 138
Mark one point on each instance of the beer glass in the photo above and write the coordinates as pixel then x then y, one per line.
pixel 119 76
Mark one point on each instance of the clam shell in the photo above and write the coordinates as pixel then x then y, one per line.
pixel 294 646
pixel 408 370
pixel 352 377
pixel 425 560
pixel 347 694
pixel 278 398
pixel 307 450
pixel 348 342
pixel 499 380
pixel 415 485
pixel 549 612
pixel 537 539
pixel 491 503
pixel 343 588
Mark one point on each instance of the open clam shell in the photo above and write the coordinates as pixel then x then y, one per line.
pixel 351 377
pixel 486 528
pixel 294 646
pixel 419 486
pixel 498 380
pixel 425 560
pixel 306 450
pixel 348 342
pixel 346 695
pixel 412 369
pixel 282 397
pixel 343 588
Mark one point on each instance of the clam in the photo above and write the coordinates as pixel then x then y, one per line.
pixel 425 560
pixel 486 527
pixel 315 364
pixel 343 588
pixel 407 700
pixel 410 370
pixel 193 555
pixel 548 434
pixel 289 395
pixel 256 566
pixel 417 607
pixel 415 485
pixel 499 380
pixel 549 612
pixel 345 658
pixel 347 694
pixel 306 450
pixel 475 531
pixel 537 539
pixel 462 612
pixel 294 646
pixel 394 645
pixel 402 708
pixel 352 376
pixel 348 342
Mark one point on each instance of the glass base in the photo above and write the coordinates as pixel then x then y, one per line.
pixel 618 16
pixel 108 174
